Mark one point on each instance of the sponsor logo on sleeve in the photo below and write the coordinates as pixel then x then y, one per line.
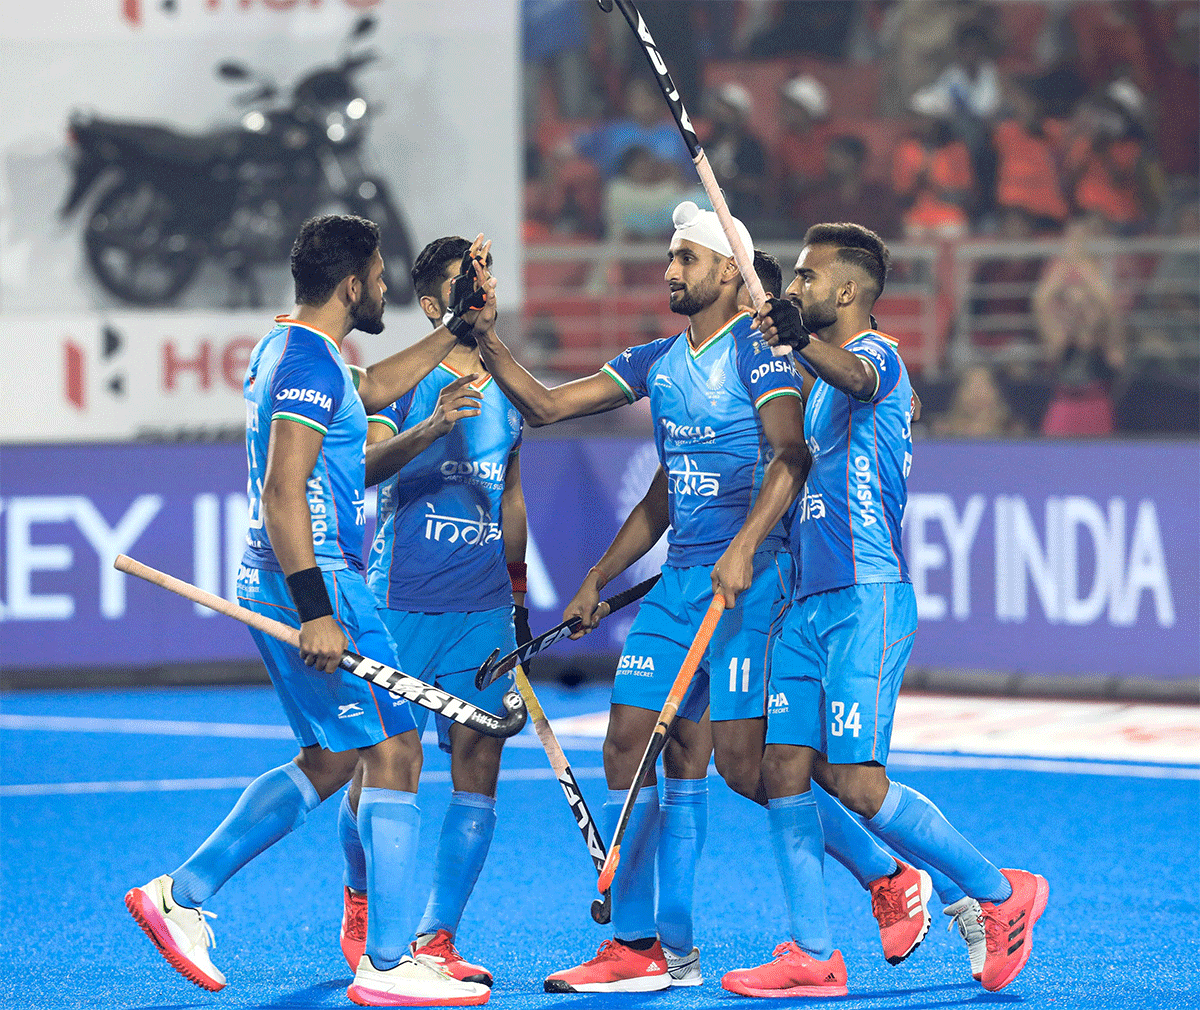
pixel 781 365
pixel 306 396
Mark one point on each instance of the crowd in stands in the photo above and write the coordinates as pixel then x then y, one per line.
pixel 931 121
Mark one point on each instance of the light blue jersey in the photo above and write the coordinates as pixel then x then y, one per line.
pixel 705 405
pixel 845 526
pixel 297 373
pixel 439 547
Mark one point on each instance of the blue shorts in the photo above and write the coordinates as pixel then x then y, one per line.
pixel 732 675
pixel 446 650
pixel 836 670
pixel 337 711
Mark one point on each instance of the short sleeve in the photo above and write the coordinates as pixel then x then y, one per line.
pixel 882 357
pixel 631 368
pixel 394 414
pixel 307 387
pixel 764 375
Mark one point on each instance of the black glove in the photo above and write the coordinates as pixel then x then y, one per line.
pixel 786 318
pixel 521 624
pixel 464 297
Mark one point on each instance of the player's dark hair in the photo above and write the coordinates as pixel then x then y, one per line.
pixel 429 270
pixel 329 249
pixel 856 245
pixel 770 274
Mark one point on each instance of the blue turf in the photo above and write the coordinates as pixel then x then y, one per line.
pixel 1120 854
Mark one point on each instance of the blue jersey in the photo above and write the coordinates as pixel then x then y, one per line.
pixel 297 373
pixel 845 527
pixel 705 406
pixel 439 547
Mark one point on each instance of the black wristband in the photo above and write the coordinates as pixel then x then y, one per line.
pixel 309 594
pixel 457 325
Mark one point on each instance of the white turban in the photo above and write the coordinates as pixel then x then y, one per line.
pixel 703 228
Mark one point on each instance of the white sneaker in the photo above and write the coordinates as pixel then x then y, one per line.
pixel 181 933
pixel 684 970
pixel 968 916
pixel 415 981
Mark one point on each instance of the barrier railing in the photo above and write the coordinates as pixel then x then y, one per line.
pixel 585 303
pixel 1153 281
pixel 948 305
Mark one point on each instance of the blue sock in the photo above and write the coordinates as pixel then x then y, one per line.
pixel 911 824
pixel 800 852
pixel 948 891
pixel 390 824
pixel 354 872
pixel 462 848
pixel 633 885
pixel 849 842
pixel 684 824
pixel 273 804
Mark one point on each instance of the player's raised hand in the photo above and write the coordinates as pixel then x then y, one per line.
pixel 456 401
pixel 779 323
pixel 733 573
pixel 322 643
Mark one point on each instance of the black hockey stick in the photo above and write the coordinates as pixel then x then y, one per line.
pixel 601 908
pixel 400 684
pixel 493 668
pixel 743 256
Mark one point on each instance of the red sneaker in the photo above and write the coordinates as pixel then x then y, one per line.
pixel 1009 928
pixel 792 973
pixel 900 904
pixel 615 968
pixel 440 948
pixel 354 927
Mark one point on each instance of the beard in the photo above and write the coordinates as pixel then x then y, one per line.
pixel 816 316
pixel 367 315
pixel 688 301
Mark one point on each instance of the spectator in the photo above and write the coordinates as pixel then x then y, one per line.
pixel 562 195
pixel 971 84
pixel 799 26
pixel 639 201
pixel 931 172
pixel 1027 177
pixel 642 126
pixel 916 38
pixel 1084 338
pixel 1109 170
pixel 555 36
pixel 804 136
pixel 845 194
pixel 979 409
pixel 737 158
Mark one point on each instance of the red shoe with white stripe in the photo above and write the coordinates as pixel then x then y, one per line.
pixel 181 933
pixel 615 968
pixel 900 904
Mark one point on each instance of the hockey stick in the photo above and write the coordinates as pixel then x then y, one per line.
pixel 743 256
pixel 492 668
pixel 601 909
pixel 658 738
pixel 399 684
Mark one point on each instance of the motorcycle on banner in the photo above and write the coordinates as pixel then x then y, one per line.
pixel 237 196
